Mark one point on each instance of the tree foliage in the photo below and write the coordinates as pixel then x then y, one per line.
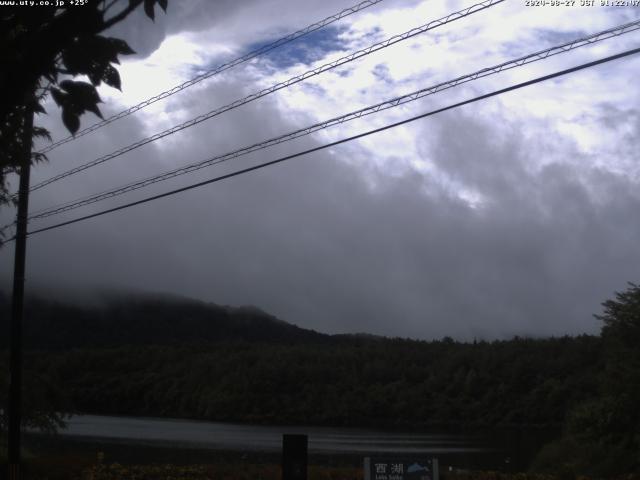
pixel 614 417
pixel 180 358
pixel 602 436
pixel 346 382
pixel 43 50
pixel 44 398
pixel 621 318
pixel 155 356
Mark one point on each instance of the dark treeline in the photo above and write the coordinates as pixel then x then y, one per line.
pixel 115 320
pixel 390 383
pixel 180 358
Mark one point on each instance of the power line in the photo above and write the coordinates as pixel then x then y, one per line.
pixel 344 140
pixel 524 60
pixel 279 86
pixel 214 71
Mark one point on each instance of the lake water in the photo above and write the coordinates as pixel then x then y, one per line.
pixel 158 439
pixel 198 434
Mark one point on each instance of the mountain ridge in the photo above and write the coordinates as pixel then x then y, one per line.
pixel 147 319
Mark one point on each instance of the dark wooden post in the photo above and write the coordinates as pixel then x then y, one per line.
pixel 15 335
pixel 294 457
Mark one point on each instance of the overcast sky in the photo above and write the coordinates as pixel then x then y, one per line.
pixel 517 215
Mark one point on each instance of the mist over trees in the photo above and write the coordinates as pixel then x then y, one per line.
pixel 181 358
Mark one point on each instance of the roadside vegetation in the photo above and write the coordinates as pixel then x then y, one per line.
pixel 215 363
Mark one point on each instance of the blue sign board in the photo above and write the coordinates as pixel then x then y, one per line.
pixel 390 468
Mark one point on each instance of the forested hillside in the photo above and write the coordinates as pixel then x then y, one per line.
pixel 392 383
pixel 115 320
pixel 181 358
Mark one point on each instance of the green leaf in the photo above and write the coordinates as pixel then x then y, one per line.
pixel 39 157
pixel 95 77
pixel 103 49
pixel 39 108
pixel 82 93
pixel 121 46
pixel 58 96
pixel 163 5
pixel 90 54
pixel 77 59
pixel 67 85
pixel 82 96
pixel 111 77
pixel 71 120
pixel 148 9
pixel 41 132
pixel 52 76
pixel 94 109
pixel 85 21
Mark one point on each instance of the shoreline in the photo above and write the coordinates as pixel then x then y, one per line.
pixel 148 452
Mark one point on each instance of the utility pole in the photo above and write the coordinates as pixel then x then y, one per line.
pixel 17 302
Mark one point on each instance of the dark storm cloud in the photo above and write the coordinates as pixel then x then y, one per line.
pixel 313 241
pixel 348 246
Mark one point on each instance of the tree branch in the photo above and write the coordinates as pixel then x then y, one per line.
pixel 107 7
pixel 119 17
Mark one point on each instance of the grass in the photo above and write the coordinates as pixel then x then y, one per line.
pixel 56 458
pixel 80 466
pixel 250 471
pixel 220 471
